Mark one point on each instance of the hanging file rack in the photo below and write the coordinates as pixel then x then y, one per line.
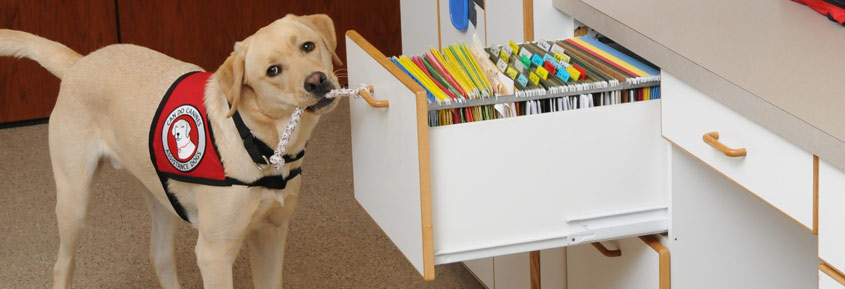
pixel 569 90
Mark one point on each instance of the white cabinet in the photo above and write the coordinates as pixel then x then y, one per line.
pixel 722 237
pixel 832 215
pixel 640 266
pixel 768 166
pixel 514 271
pixel 512 185
pixel 500 22
pixel 830 279
pixel 553 268
pixel 482 269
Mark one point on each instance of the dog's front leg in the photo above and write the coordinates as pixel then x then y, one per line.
pixel 224 216
pixel 267 246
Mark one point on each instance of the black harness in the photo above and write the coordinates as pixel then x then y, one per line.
pixel 258 151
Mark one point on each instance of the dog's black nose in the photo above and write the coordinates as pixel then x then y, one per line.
pixel 317 83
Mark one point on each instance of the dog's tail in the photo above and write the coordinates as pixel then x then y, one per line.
pixel 52 55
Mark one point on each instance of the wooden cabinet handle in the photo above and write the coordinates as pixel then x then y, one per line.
pixel 607 253
pixel 365 93
pixel 712 138
pixel 664 267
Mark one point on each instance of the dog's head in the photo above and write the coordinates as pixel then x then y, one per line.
pixel 284 65
pixel 180 130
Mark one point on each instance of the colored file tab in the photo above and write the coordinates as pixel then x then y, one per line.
pixel 542 72
pixel 525 61
pixel 534 78
pixel 503 55
pixel 522 80
pixel 561 57
pixel 562 74
pixel 513 46
pixel 537 60
pixel 511 72
pixel 573 73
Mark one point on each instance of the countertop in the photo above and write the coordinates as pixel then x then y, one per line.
pixel 776 62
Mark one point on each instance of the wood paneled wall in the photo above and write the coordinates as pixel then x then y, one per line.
pixel 204 32
pixel 28 91
pixel 200 32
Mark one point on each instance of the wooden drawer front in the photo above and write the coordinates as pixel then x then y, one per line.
pixel 639 266
pixel 469 191
pixel 775 170
pixel 830 279
pixel 832 216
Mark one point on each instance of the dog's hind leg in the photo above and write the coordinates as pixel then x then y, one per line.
pixel 75 158
pixel 162 236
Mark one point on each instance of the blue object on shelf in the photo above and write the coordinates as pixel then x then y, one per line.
pixel 459 13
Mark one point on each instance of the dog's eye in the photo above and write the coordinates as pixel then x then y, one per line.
pixel 308 46
pixel 274 70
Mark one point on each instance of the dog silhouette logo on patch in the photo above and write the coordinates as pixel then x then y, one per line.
pixel 183 138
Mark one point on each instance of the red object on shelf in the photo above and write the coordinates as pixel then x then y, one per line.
pixel 834 9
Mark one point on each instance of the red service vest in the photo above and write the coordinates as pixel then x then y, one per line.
pixel 181 139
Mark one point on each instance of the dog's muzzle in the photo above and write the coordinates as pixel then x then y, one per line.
pixel 319 85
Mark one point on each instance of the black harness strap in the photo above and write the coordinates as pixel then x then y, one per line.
pixel 276 182
pixel 257 149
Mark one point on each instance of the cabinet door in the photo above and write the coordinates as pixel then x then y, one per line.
pixel 27 90
pixel 482 269
pixel 512 271
pixel 553 268
pixel 832 215
pixel 723 237
pixel 638 266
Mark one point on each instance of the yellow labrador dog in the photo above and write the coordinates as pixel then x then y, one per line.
pixel 111 105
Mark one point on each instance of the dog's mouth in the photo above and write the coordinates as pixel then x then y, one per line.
pixel 323 102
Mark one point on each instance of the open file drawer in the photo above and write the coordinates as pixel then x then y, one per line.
pixel 467 191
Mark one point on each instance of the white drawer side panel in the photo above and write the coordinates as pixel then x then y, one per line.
pixel 385 154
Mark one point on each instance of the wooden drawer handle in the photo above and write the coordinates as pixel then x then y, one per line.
pixel 607 253
pixel 372 101
pixel 712 138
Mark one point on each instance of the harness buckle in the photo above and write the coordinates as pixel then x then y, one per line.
pixel 266 162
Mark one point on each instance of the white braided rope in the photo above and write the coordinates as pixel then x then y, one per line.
pixel 350 92
pixel 277 160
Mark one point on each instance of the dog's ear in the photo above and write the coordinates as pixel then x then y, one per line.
pixel 230 77
pixel 325 27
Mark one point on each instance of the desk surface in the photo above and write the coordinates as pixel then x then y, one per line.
pixel 778 63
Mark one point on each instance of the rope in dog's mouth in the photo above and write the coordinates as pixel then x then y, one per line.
pixel 277 160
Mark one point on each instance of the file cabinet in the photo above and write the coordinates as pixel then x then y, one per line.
pixel 468 191
pixel 763 163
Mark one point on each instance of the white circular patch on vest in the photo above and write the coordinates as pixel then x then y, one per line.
pixel 183 133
